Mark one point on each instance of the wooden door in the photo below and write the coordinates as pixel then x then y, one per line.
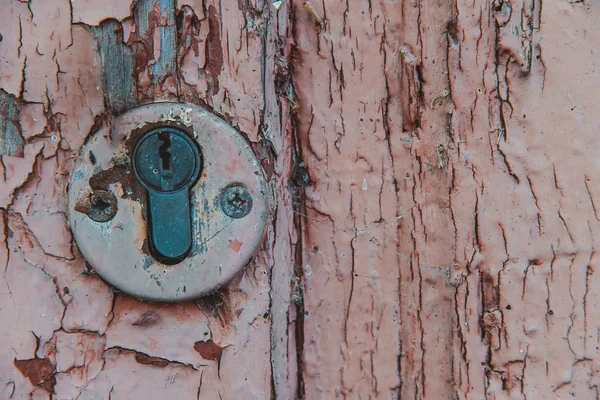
pixel 436 175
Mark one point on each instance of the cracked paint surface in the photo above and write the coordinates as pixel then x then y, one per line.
pixel 67 68
pixel 436 223
pixel 450 221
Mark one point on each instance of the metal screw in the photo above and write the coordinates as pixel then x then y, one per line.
pixel 236 201
pixel 103 206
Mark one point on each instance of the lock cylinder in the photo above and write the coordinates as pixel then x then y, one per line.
pixel 167 163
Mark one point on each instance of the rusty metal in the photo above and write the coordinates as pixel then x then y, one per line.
pixel 98 205
pixel 223 239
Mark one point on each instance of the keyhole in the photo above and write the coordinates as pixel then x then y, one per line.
pixel 167 163
pixel 163 150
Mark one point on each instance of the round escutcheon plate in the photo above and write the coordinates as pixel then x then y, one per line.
pixel 108 207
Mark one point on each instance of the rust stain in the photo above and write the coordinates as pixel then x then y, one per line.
pixel 209 350
pixel 39 371
pixel 149 360
pixel 235 245
pixel 122 174
pixel 147 319
pixel 214 50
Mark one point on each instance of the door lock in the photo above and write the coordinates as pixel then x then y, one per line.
pixel 167 163
pixel 168 202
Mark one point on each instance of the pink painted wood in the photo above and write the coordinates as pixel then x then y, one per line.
pixel 434 165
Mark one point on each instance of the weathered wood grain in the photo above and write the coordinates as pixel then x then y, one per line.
pixel 73 67
pixel 448 243
pixel 11 141
pixel 435 170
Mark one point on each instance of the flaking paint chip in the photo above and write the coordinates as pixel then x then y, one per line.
pixel 235 245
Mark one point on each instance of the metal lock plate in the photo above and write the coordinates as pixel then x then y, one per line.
pixel 168 203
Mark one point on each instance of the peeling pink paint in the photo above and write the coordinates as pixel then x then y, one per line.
pixel 100 343
pixel 235 245
pixel 394 267
pixel 90 12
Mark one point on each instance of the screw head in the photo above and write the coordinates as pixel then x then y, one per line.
pixel 236 201
pixel 99 205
